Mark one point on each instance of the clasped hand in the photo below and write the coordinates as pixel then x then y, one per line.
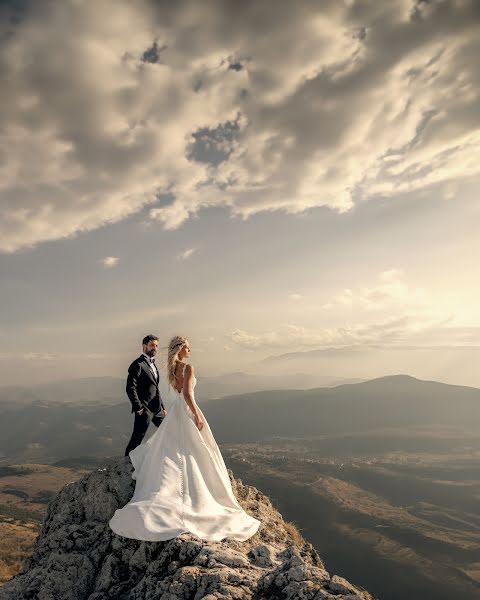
pixel 163 413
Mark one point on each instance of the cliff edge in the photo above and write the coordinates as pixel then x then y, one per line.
pixel 78 557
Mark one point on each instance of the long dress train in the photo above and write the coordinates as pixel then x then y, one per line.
pixel 182 485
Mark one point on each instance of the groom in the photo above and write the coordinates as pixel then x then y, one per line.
pixel 142 390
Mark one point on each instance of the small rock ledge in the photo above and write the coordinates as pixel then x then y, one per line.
pixel 78 557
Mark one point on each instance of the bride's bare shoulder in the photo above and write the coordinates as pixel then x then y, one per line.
pixel 188 369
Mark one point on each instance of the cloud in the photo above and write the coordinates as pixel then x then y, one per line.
pixel 392 332
pixel 186 254
pixel 249 106
pixel 392 291
pixel 412 317
pixel 296 337
pixel 109 261
pixel 41 356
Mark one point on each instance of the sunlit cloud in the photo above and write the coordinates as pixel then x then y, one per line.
pixel 137 105
pixel 391 291
pixel 109 261
pixel 411 309
pixel 294 337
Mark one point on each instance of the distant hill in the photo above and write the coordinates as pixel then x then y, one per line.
pixel 52 431
pixel 392 401
pixel 244 383
pixel 448 363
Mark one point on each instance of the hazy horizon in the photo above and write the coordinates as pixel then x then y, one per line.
pixel 311 382
pixel 265 179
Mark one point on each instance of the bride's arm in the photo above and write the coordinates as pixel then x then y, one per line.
pixel 188 394
pixel 188 389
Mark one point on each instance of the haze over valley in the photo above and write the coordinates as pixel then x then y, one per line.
pixel 382 475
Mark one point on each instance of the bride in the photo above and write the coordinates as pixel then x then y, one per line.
pixel 182 484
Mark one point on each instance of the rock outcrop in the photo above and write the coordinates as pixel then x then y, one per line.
pixel 78 557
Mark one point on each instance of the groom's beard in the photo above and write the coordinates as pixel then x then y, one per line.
pixel 151 352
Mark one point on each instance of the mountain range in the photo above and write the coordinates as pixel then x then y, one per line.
pixel 49 431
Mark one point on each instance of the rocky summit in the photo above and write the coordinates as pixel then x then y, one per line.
pixel 78 557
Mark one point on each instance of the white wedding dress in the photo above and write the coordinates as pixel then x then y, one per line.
pixel 182 485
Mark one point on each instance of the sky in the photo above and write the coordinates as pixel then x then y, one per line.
pixel 292 186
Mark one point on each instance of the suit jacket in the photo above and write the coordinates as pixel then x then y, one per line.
pixel 142 386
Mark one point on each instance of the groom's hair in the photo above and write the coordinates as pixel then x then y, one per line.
pixel 149 338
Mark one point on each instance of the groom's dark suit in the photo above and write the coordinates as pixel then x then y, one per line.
pixel 142 391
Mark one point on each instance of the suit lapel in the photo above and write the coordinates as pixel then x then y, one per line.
pixel 149 371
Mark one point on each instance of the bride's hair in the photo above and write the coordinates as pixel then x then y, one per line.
pixel 174 347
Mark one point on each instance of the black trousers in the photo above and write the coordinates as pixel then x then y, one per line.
pixel 140 426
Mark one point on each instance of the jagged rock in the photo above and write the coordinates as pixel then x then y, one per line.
pixel 78 557
pixel 339 585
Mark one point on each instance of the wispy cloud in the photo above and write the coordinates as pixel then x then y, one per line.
pixel 186 254
pixel 390 291
pixel 393 331
pixel 41 356
pixel 410 310
pixel 109 261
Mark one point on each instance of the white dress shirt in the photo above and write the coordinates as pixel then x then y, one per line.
pixel 152 365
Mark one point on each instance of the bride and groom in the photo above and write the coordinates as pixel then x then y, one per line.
pixel 182 484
